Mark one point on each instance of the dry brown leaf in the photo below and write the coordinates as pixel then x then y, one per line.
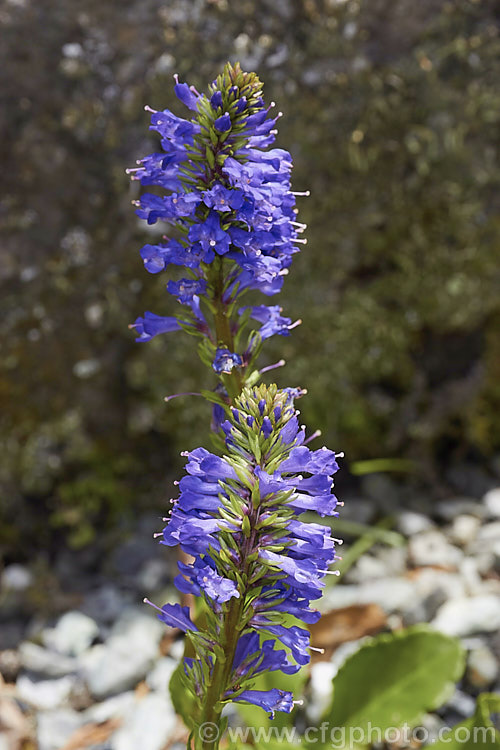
pixel 91 734
pixel 347 624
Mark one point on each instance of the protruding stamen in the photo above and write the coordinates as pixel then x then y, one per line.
pixel 337 541
pixel 302 240
pixel 148 601
pixel 316 433
pixel 294 325
pixel 281 363
pixel 157 534
pixel 176 395
pixel 314 648
pixel 150 109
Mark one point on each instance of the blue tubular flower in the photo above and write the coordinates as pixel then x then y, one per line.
pixel 227 193
pixel 225 361
pixel 151 325
pixel 270 700
pixel 239 516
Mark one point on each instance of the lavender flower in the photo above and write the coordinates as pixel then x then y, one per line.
pixel 254 559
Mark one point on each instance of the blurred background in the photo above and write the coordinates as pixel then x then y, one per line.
pixel 392 112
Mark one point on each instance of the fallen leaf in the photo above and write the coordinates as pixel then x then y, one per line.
pixel 91 734
pixel 346 624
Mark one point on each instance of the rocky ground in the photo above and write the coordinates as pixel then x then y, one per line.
pixel 96 675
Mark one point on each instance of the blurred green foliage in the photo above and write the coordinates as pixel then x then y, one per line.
pixel 392 115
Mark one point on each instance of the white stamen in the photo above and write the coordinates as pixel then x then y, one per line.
pixel 330 572
pixel 149 109
pixel 305 193
pixel 303 241
pixel 337 541
pixel 314 648
pixel 158 533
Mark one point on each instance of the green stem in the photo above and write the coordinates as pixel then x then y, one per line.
pixel 232 381
pixel 211 713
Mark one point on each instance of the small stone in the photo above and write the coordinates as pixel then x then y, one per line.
pixel 153 712
pixel 72 635
pixel 432 548
pixel 322 674
pixel 462 703
pixel 410 523
pixel 447 510
pixel 44 694
pixel 359 509
pixel 492 503
pixel 464 529
pixel 16 577
pixel 116 707
pixel 54 728
pixel 392 594
pixel 482 667
pixel 159 677
pixel 10 664
pixel 469 615
pixel 105 604
pixel 126 657
pixel 42 661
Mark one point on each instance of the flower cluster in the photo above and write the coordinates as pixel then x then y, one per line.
pixel 227 195
pixel 254 560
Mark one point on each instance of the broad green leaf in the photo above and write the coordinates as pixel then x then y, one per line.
pixel 394 679
pixel 477 733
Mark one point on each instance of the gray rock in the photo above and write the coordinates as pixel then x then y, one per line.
pixel 462 703
pixel 432 588
pixel 492 503
pixel 432 548
pixel 448 509
pixel 321 689
pixel 410 523
pixel 358 509
pixel 45 694
pixel 482 667
pixel 113 708
pixel 42 661
pixel 152 576
pixel 54 728
pixel 106 603
pixel 489 535
pixel 468 615
pixel 16 577
pixel 154 713
pixel 72 635
pixel 126 657
pixel 464 529
pixel 10 664
pixel 159 677
pixel 392 594
pixel 381 489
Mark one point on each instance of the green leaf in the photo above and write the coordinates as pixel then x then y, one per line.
pixel 183 701
pixel 477 733
pixel 395 678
